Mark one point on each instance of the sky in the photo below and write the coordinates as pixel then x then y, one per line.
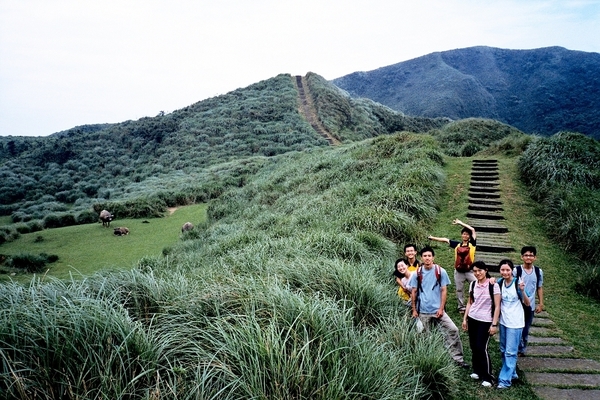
pixel 65 63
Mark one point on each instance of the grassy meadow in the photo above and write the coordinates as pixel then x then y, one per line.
pixel 85 249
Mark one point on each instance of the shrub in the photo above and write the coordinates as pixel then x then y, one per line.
pixel 58 220
pixel 31 263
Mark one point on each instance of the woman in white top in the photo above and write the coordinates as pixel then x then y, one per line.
pixel 512 321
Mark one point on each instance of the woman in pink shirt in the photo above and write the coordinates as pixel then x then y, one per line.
pixel 481 321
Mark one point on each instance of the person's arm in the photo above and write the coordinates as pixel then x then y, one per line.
pixel 524 294
pixel 444 293
pixel 496 317
pixel 540 306
pixel 459 222
pixel 465 326
pixel 414 302
pixel 439 239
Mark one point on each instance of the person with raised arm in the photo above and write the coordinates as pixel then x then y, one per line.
pixel 464 256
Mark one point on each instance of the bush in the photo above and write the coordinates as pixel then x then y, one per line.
pixel 58 220
pixel 87 217
pixel 30 262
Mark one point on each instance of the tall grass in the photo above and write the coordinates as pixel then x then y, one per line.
pixel 562 173
pixel 280 295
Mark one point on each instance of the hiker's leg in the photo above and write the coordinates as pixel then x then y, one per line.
pixel 525 334
pixel 459 281
pixel 452 337
pixel 509 365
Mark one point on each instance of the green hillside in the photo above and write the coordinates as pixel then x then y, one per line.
pixel 177 158
pixel 285 291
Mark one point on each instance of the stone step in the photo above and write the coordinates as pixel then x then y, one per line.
pixel 490 259
pixel 491 239
pixel 491 175
pixel 484 201
pixel 485 207
pixel 484 195
pixel 484 183
pixel 485 215
pixel 542 322
pixel 541 331
pixel 550 393
pixel 563 379
pixel 549 350
pixel 495 249
pixel 542 340
pixel 483 168
pixel 558 364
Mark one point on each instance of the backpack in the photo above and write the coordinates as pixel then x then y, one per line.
pixel 517 288
pixel 535 268
pixel 491 288
pixel 438 277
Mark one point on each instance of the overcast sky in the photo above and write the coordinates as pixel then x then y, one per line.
pixel 65 63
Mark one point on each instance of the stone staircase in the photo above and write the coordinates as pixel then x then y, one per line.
pixel 485 214
pixel 550 365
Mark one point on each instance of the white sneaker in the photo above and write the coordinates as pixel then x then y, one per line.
pixel 474 376
pixel 486 384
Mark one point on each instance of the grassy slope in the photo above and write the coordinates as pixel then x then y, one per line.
pixel 575 315
pixel 85 249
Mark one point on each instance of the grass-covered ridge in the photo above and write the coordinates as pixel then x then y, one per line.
pixel 68 172
pixel 284 293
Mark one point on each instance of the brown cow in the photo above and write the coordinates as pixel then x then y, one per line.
pixel 121 231
pixel 188 226
pixel 106 217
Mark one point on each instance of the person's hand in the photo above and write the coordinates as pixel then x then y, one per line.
pixel 457 222
pixel 539 308
pixel 492 280
pixel 464 325
pixel 415 314
pixel 522 286
pixel 493 329
pixel 439 313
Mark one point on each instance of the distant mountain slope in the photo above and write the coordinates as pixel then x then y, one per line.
pixel 537 91
pixel 97 162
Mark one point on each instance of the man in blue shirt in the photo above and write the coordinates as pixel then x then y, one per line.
pixel 429 293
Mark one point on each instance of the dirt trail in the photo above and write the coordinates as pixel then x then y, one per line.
pixel 307 109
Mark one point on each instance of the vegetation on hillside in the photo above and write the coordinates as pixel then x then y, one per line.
pixel 539 91
pixel 349 119
pixel 284 293
pixel 466 137
pixel 174 158
pixel 562 173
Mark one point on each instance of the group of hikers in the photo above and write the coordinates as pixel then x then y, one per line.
pixel 505 306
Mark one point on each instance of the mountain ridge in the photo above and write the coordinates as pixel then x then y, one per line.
pixel 541 91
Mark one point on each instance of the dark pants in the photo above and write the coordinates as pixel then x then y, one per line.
pixel 525 335
pixel 479 337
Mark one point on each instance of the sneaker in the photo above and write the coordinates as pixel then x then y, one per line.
pixel 486 384
pixel 502 387
pixel 521 354
pixel 474 376
pixel 462 311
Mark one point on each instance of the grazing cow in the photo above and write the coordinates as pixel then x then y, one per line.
pixel 121 231
pixel 106 217
pixel 188 226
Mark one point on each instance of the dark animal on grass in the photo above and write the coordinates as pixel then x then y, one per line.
pixel 188 226
pixel 106 217
pixel 121 231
